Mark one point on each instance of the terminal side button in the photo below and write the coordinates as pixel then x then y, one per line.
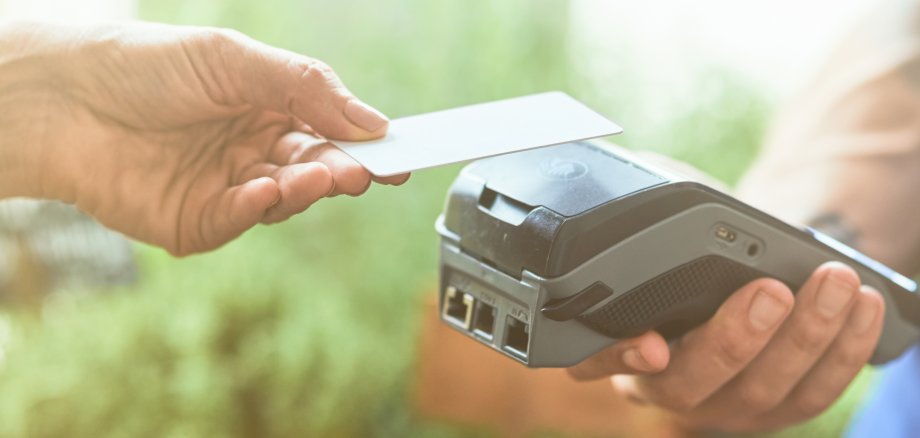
pixel 567 308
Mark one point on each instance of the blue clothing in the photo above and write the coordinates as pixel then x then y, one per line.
pixel 893 409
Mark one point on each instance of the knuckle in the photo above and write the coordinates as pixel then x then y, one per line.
pixel 682 403
pixel 810 337
pixel 221 37
pixel 325 178
pixel 609 362
pixel 316 70
pixel 743 426
pixel 758 397
pixel 677 399
pixel 810 404
pixel 850 356
pixel 732 350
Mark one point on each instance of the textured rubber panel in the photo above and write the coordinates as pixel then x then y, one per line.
pixel 673 302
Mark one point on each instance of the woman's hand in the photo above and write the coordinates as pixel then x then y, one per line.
pixel 764 361
pixel 182 137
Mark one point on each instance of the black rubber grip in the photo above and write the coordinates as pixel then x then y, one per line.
pixel 673 302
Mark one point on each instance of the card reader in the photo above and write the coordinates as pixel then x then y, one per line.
pixel 550 255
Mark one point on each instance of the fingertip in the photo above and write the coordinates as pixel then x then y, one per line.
pixel 264 191
pixel 329 108
pixel 394 180
pixel 868 312
pixel 318 178
pixel 646 354
pixel 301 185
pixel 839 272
pixel 255 197
pixel 654 351
pixel 311 181
pixel 871 292
pixel 233 212
pixel 352 179
pixel 870 295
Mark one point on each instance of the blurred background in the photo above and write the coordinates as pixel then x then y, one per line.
pixel 312 327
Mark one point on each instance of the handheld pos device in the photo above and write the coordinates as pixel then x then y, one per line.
pixel 549 255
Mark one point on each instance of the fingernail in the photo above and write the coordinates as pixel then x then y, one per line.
pixel 863 317
pixel 766 311
pixel 834 295
pixel 363 115
pixel 633 359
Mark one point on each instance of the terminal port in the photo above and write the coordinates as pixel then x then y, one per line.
pixel 484 320
pixel 458 307
pixel 725 234
pixel 517 336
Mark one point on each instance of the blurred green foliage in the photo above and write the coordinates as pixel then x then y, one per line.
pixel 310 327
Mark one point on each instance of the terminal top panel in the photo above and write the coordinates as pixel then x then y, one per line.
pixel 568 179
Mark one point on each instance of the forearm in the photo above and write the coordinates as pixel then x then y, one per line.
pixel 21 132
pixel 23 119
pixel 17 167
pixel 868 205
pixel 33 66
pixel 845 156
pixel 847 161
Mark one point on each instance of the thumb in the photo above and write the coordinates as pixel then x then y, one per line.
pixel 644 354
pixel 274 79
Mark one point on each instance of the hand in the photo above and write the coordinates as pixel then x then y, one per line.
pixel 181 137
pixel 764 361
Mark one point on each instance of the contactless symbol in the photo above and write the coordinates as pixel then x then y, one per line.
pixel 562 169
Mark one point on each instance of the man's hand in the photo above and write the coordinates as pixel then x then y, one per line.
pixel 181 137
pixel 764 361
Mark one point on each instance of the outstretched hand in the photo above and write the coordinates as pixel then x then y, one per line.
pixel 765 360
pixel 181 137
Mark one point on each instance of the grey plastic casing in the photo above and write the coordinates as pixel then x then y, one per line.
pixel 533 228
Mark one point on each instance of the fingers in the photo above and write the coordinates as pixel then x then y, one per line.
pixel 349 176
pixel 647 353
pixel 741 376
pixel 394 180
pixel 300 185
pixel 822 307
pixel 246 71
pixel 268 199
pixel 238 209
pixel 840 364
pixel 712 354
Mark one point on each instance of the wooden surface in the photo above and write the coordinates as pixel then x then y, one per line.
pixel 463 382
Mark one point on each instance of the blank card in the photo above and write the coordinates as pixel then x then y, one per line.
pixel 477 131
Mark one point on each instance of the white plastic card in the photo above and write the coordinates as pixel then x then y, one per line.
pixel 476 131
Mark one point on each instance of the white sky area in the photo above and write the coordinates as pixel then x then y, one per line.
pixel 777 43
